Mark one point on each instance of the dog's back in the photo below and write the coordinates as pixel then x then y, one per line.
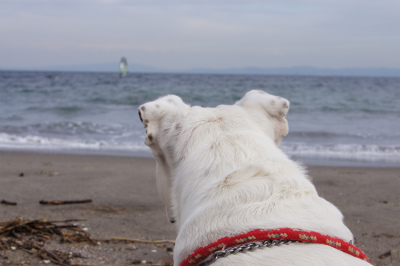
pixel 222 173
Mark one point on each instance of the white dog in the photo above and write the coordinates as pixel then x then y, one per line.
pixel 220 173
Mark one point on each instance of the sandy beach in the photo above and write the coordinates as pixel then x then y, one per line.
pixel 125 204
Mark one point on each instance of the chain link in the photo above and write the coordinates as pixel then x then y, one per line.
pixel 245 248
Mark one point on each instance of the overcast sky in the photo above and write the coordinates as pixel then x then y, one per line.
pixel 201 33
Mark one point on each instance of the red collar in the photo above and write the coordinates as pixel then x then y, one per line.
pixel 274 234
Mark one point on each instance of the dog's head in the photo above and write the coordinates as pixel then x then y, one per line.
pixel 175 131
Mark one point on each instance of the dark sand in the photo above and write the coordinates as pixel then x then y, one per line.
pixel 126 204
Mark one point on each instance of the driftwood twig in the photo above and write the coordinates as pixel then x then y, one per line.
pixel 62 202
pixel 6 202
pixel 136 240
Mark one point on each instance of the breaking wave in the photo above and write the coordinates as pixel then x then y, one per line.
pixel 371 152
pixel 362 152
pixel 15 142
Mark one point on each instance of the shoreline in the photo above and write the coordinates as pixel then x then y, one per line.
pixel 308 161
pixel 125 203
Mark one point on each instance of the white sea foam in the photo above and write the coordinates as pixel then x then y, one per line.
pixel 371 153
pixel 344 151
pixel 41 143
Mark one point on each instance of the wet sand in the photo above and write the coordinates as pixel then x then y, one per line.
pixel 125 204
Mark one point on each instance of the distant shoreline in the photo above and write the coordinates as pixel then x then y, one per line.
pixel 373 72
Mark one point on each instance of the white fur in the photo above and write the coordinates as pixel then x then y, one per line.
pixel 220 172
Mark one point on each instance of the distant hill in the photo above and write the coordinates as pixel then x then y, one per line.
pixel 305 71
pixel 296 70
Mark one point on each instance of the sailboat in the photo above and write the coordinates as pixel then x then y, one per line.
pixel 123 67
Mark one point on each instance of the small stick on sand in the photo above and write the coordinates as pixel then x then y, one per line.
pixel 78 264
pixel 62 202
pixel 142 240
pixel 6 202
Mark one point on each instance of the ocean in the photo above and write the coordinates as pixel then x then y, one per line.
pixel 332 120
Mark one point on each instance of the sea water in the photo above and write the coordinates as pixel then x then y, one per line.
pixel 332 120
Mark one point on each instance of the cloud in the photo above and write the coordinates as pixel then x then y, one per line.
pixel 201 33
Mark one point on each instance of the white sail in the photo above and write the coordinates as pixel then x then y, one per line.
pixel 123 67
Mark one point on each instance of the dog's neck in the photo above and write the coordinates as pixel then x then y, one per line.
pixel 235 185
pixel 261 238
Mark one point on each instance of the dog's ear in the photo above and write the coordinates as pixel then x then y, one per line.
pixel 159 116
pixel 262 105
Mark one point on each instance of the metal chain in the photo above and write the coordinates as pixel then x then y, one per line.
pixel 244 248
